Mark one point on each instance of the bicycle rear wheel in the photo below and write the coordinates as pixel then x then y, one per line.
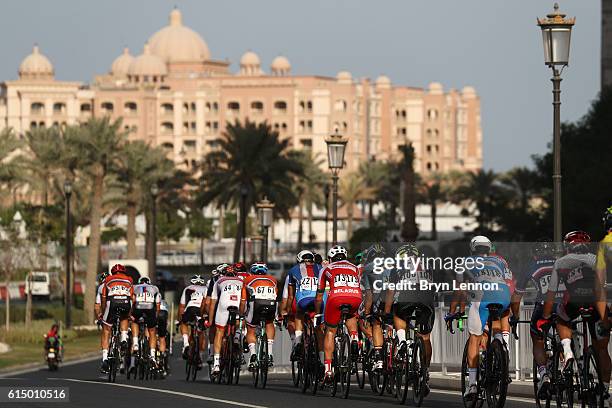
pixel 402 376
pixel 562 382
pixel 360 372
pixel 345 365
pixel 496 387
pixel 229 360
pixel 264 360
pixel 474 402
pixel 540 402
pixel 195 357
pixel 592 380
pixel 418 371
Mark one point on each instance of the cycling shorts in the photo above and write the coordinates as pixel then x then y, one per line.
pixel 114 308
pixel 190 314
pixel 222 314
pixel 423 313
pixel 479 313
pixel 332 308
pixel 261 310
pixel 162 323
pixel 571 311
pixel 306 304
pixel 149 316
pixel 538 313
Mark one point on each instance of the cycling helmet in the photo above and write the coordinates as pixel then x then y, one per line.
pixel 480 243
pixel 304 256
pixel 118 268
pixel 337 253
pixel 577 241
pixel 374 251
pixel 229 270
pixel 239 267
pixel 407 251
pixel 543 249
pixel 144 279
pixel 359 258
pixel 607 219
pixel 197 280
pixel 318 259
pixel 259 268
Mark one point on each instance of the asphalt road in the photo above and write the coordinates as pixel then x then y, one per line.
pixel 88 389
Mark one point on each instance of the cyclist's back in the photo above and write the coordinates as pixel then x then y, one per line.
pixel 304 277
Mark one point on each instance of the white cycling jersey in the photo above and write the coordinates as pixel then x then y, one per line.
pixel 193 295
pixel 227 292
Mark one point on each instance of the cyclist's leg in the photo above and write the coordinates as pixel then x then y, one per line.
pixel 106 329
pixel 162 329
pixel 151 322
pixel 135 330
pixel 425 320
pixel 221 317
pixel 477 319
pixel 600 339
pixel 184 328
pixel 566 313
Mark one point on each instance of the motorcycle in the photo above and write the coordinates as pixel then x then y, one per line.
pixel 52 353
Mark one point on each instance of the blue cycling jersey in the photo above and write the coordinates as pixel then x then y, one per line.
pixel 305 279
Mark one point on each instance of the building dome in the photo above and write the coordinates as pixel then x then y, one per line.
pixel 36 66
pixel 147 64
pixel 121 65
pixel 344 77
pixel 177 43
pixel 468 92
pixel 383 82
pixel 280 66
pixel 250 64
pixel 435 88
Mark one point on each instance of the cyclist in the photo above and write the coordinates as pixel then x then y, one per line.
pixel 258 301
pixel 241 270
pixel 604 252
pixel 226 293
pixel 487 269
pixel 372 283
pixel 162 332
pixel 115 300
pixel 538 271
pixel 189 310
pixel 210 285
pixel 343 279
pixel 303 279
pixel 287 312
pixel 577 269
pixel 418 303
pixel 145 304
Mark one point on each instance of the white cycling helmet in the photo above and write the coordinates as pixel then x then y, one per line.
pixel 197 280
pixel 335 251
pixel 480 241
pixel 304 255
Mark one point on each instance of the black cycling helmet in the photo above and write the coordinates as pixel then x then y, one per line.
pixel 144 279
pixel 318 259
pixel 374 251
pixel 607 219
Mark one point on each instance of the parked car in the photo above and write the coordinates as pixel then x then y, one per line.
pixel 40 284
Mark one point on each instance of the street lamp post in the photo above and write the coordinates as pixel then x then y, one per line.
pixel 556 36
pixel 243 219
pixel 68 289
pixel 336 146
pixel 326 192
pixel 257 247
pixel 153 251
pixel 265 210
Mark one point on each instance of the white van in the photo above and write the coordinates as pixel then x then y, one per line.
pixel 41 284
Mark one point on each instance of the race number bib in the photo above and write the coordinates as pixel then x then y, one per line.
pixel 309 283
pixel 544 282
pixel 265 293
pixel 145 297
pixel 344 280
pixel 118 290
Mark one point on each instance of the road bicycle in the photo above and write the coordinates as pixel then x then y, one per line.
pixel 262 362
pixel 143 366
pixel 363 359
pixel 383 380
pixel 231 351
pixel 492 369
pixel 115 352
pixel 342 361
pixel 193 362
pixel 309 358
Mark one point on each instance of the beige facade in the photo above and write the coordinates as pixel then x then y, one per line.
pixel 174 94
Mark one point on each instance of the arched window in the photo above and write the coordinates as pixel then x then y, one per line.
pixel 432 114
pixel 59 108
pixel 280 107
pixel 167 146
pixel 85 107
pixel 130 108
pixel 340 105
pixel 257 107
pixel 167 128
pixel 107 107
pixel 167 108
pixel 37 108
pixel 215 107
pixel 233 107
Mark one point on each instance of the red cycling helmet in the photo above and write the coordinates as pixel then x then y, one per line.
pixel 118 269
pixel 239 267
pixel 577 241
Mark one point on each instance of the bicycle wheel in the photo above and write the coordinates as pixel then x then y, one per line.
pixel 474 402
pixel 255 371
pixel 306 357
pixel 540 402
pixel 402 375
pixel 496 385
pixel 263 366
pixel 592 380
pixel 195 357
pixel 229 360
pixel 345 366
pixel 383 378
pixel 418 371
pixel 360 372
pixel 562 383
pixel 374 377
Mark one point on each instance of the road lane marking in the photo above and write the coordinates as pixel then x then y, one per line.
pixel 449 392
pixel 181 394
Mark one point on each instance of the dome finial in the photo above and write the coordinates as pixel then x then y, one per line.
pixel 35 49
pixel 176 19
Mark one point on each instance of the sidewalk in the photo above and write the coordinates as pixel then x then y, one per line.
pixel 452 381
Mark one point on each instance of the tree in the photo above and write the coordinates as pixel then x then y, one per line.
pixel 409 230
pixel 250 157
pixel 431 190
pixel 352 189
pixel 481 194
pixel 309 189
pixel 99 143
pixel 373 174
pixel 10 169
pixel 200 228
pixel 388 193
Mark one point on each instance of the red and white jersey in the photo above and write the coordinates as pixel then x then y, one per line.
pixel 342 277
pixel 117 286
pixel 227 288
pixel 243 275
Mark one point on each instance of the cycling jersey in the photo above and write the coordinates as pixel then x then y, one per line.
pixel 539 272
pixel 344 289
pixel 117 287
pixel 210 285
pixel 99 294
pixel 577 271
pixel 243 275
pixel 374 281
pixel 305 279
pixel 193 295
pixel 412 285
pixel 227 292
pixel 604 255
pixel 163 306
pixel 260 293
pixel 146 296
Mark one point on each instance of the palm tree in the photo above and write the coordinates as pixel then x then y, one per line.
pixel 252 158
pixel 10 170
pixel 431 190
pixel 409 230
pixel 140 165
pixel 482 190
pixel 309 190
pixel 353 189
pixel 373 174
pixel 98 143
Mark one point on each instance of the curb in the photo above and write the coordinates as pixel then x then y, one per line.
pixel 515 388
pixel 32 367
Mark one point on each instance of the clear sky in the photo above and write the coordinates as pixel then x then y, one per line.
pixel 492 45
